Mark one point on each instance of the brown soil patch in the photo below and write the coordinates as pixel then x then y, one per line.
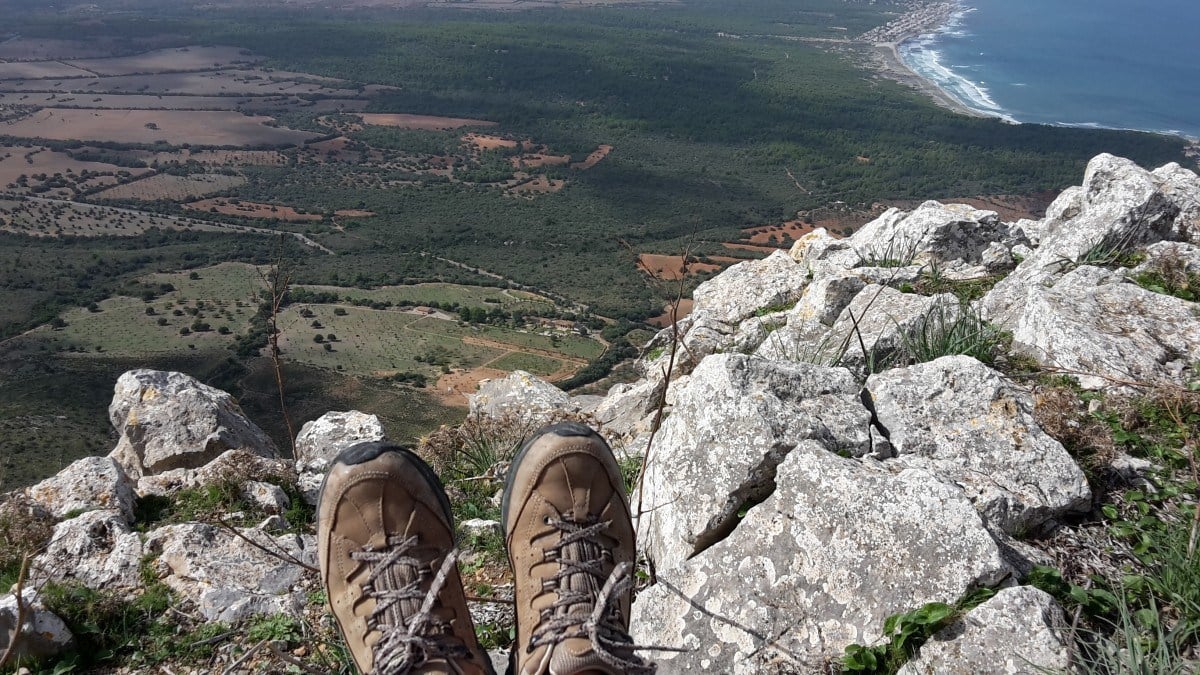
pixel 777 235
pixel 174 188
pixel 750 247
pixel 251 210
pixel 670 267
pixel 39 69
pixel 149 126
pixel 594 158
pixel 663 320
pixel 421 122
pixel 452 389
pixel 484 142
pixel 353 213
pixel 202 83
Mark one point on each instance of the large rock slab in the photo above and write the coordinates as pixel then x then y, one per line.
pixel 228 578
pixel 732 422
pixel 837 548
pixel 171 421
pixel 1020 630
pixel 321 440
pixel 741 290
pixel 1182 187
pixel 1095 323
pixel 972 427
pixel 97 549
pixel 88 483
pixel 934 233
pixel 233 465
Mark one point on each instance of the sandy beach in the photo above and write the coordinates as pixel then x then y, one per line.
pixel 885 53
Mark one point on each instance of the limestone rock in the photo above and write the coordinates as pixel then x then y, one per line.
pixel 1118 208
pixel 879 320
pixel 478 527
pixel 1094 322
pixel 934 233
pixel 837 547
pixel 42 633
pixel 741 290
pixel 170 421
pixel 732 422
pixel 969 425
pixel 238 465
pixel 622 413
pixel 826 297
pixel 97 549
pixel 518 395
pixel 1170 256
pixel 228 578
pixel 1020 630
pixel 1182 187
pixel 266 496
pixel 88 483
pixel 321 440
pixel 819 251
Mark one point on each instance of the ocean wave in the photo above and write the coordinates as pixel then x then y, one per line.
pixel 921 56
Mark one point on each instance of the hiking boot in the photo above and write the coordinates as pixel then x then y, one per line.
pixel 385 541
pixel 571 546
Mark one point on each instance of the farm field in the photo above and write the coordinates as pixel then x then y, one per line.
pixel 50 218
pixel 175 127
pixel 439 293
pixel 174 188
pixel 17 161
pixel 243 209
pixel 422 122
pixel 198 83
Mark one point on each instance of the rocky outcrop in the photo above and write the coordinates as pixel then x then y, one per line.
pixel 97 549
pixel 172 421
pixel 1020 630
pixel 519 395
pixel 233 465
pixel 89 483
pixel 820 564
pixel 225 575
pixel 974 428
pixel 321 440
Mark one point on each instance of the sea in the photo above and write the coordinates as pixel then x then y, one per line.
pixel 1118 64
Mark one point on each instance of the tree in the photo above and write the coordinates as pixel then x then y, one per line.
pixel 318 338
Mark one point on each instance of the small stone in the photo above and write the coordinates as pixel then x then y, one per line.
pixel 266 496
pixel 479 527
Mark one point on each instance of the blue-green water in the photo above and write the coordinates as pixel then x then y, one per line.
pixel 1122 64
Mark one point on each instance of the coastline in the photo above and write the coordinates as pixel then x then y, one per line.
pixel 885 51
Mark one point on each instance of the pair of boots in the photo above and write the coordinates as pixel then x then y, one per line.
pixel 387 556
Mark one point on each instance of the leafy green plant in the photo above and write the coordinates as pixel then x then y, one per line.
pixel 275 627
pixel 905 633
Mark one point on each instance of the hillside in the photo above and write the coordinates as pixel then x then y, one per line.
pixel 949 443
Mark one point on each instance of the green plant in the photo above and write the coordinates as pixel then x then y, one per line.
pixel 949 330
pixel 275 627
pixel 905 633
pixel 895 252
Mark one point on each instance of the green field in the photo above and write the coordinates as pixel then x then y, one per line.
pixel 533 363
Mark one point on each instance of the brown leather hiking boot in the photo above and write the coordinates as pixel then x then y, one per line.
pixel 571 546
pixel 386 546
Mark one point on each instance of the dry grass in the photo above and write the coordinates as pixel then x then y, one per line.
pixel 174 188
pixel 421 122
pixel 243 209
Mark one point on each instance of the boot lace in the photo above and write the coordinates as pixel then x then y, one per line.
pixel 592 614
pixel 394 583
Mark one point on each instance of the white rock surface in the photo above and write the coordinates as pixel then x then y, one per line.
pixel 732 422
pixel 1020 631
pixel 740 290
pixel 237 465
pixel 519 395
pixel 934 233
pixel 1092 321
pixel 97 549
pixel 321 440
pixel 170 421
pixel 266 496
pixel 42 633
pixel 88 483
pixel 228 578
pixel 972 427
pixel 837 548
